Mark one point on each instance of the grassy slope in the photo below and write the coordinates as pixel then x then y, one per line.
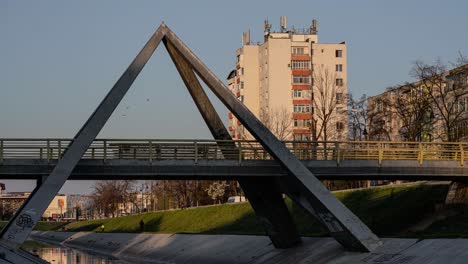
pixel 42 226
pixel 451 227
pixel 387 211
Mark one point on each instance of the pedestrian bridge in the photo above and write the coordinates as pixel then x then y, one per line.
pixel 232 159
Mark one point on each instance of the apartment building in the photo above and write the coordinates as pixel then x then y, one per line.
pixel 409 113
pixel 295 85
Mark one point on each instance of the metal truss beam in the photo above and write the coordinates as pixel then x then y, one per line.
pixel 342 224
pixel 21 225
pixel 301 184
pixel 263 195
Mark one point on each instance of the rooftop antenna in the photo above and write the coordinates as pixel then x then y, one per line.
pixel 266 27
pixel 247 37
pixel 313 27
pixel 283 23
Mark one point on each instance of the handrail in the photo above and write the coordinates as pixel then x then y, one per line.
pixel 196 149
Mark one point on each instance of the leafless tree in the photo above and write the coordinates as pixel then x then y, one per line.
pixel 444 99
pixel 108 195
pixel 412 106
pixel 278 121
pixel 380 116
pixel 185 194
pixel 328 94
pixel 358 116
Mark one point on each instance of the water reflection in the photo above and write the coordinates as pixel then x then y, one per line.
pixel 61 255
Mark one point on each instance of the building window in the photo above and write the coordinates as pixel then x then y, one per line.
pixel 339 110
pixel 338 53
pixel 301 108
pixel 241 98
pixel 298 51
pixel 339 67
pixel 339 126
pixel 241 85
pixel 306 94
pixel 301 79
pixel 238 58
pixel 297 93
pixel 339 98
pixel 339 82
pixel 304 123
pixel 300 65
pixel 301 137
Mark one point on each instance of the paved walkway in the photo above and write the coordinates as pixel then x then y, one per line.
pixel 179 248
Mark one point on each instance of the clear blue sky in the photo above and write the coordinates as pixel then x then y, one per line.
pixel 59 58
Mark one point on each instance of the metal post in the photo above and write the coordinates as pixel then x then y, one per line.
pixel 150 151
pixel 337 148
pixel 196 151
pixel 380 153
pixel 240 152
pixel 59 154
pixel 462 155
pixel 48 150
pixel 1 151
pixel 420 154
pixel 105 149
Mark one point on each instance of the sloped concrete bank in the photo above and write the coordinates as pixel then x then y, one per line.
pixel 180 248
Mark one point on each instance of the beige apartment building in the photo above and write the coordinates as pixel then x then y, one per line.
pixel 408 112
pixel 295 85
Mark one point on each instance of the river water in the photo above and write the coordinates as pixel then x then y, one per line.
pixel 63 255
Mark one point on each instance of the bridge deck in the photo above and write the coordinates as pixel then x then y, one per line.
pixel 188 159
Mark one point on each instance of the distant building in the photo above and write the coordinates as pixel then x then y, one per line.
pixel 286 78
pixel 457 79
pixel 79 206
pixel 387 122
pixel 10 202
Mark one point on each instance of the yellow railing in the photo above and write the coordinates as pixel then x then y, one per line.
pixel 163 149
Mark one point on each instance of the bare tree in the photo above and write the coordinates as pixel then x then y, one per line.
pixel 109 195
pixel 328 95
pixel 444 98
pixel 412 105
pixel 358 116
pixel 278 121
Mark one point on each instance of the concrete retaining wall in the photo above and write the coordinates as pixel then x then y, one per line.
pixel 179 248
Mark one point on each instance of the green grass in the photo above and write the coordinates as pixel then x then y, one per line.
pixel 34 245
pixel 452 227
pixel 43 226
pixel 387 211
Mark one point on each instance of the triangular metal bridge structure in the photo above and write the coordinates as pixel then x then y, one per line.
pixel 265 194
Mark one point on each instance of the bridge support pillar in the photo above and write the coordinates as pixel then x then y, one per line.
pixel 458 193
pixel 263 194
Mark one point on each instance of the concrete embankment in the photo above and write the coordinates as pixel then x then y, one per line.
pixel 180 248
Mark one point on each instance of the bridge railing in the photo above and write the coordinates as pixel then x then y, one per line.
pixel 158 149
